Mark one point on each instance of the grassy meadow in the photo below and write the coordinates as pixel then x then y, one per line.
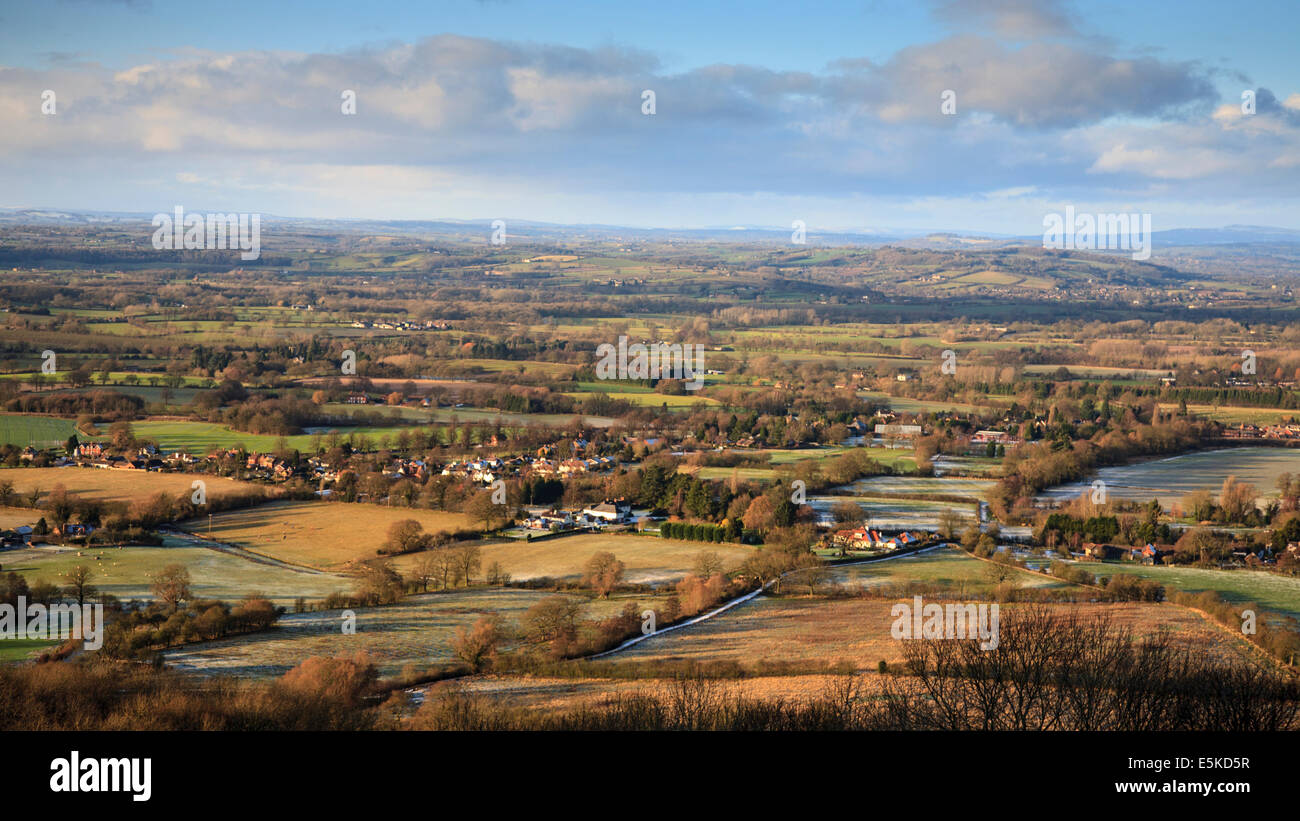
pixel 118 485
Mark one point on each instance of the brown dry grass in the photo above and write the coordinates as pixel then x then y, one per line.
pixel 319 534
pixel 11 517
pixel 118 485
pixel 816 631
pixel 548 693
pixel 647 559
pixel 858 631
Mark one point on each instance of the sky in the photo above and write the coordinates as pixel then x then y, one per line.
pixel 764 113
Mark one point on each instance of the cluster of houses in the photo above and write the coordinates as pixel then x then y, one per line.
pixel 404 325
pixel 273 468
pixel 862 538
pixel 26 534
pixel 94 455
pixel 15 537
pixel 1147 554
pixel 1154 554
pixel 362 398
pixel 607 513
pixel 489 470
pixel 997 437
pixel 1246 431
pixel 479 470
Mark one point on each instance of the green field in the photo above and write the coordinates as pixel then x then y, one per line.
pixel 40 431
pixel 1269 590
pixel 781 459
pixel 899 513
pixel 200 437
pixel 947 566
pixel 654 400
pixel 22 649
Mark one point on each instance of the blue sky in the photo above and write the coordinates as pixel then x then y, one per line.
pixel 765 112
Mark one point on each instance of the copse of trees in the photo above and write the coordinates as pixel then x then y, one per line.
pixel 141 633
pixel 1093 529
pixel 102 404
pixel 1128 587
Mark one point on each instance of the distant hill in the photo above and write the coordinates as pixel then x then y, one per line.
pixel 533 229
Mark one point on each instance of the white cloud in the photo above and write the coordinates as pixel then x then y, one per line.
pixel 449 124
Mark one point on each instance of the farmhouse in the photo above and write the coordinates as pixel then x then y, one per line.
pixel 609 512
pixel 90 450
pixel 1100 552
pixel 1150 554
pixel 855 539
pixel 983 437
pixel 865 539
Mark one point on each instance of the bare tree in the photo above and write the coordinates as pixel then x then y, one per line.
pixel 79 586
pixel 706 564
pixel 172 585
pixel 444 562
pixel 468 558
